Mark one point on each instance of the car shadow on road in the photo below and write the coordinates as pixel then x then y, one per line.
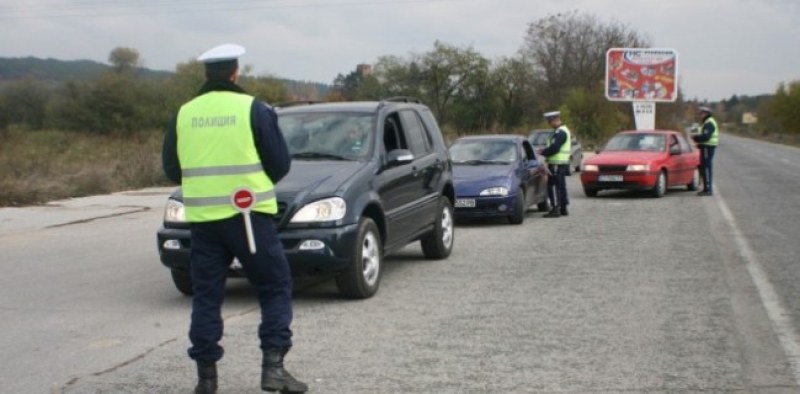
pixel 637 194
pixel 323 288
pixel 531 214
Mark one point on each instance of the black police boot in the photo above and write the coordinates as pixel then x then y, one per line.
pixel 564 211
pixel 275 378
pixel 206 378
pixel 554 213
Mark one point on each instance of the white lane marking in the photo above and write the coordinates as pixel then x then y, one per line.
pixel 777 314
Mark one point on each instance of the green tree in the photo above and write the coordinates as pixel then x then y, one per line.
pixel 784 107
pixel 359 84
pixel 268 89
pixel 445 71
pixel 68 110
pixel 475 105
pixel 515 92
pixel 24 102
pixel 184 83
pixel 399 77
pixel 124 59
pixel 111 103
pixel 591 116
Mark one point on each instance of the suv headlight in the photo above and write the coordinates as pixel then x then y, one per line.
pixel 326 210
pixel 495 191
pixel 174 212
pixel 590 168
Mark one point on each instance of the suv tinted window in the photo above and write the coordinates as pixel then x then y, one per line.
pixel 418 138
pixel 393 136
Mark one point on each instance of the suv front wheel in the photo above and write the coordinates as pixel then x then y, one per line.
pixel 362 278
pixel 439 243
pixel 182 281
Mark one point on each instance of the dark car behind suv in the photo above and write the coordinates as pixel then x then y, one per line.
pixel 367 179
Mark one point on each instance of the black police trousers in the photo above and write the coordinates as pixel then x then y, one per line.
pixel 707 166
pixel 214 245
pixel 557 185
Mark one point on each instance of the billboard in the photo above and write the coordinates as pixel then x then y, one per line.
pixel 642 74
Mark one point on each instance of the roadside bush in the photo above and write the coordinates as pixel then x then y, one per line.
pixel 41 166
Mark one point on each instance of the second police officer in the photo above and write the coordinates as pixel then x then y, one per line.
pixel 222 141
pixel 707 141
pixel 557 157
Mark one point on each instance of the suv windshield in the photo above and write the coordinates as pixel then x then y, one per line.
pixel 479 152
pixel 327 135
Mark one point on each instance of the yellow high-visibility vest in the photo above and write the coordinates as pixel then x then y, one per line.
pixel 562 157
pixel 218 156
pixel 714 140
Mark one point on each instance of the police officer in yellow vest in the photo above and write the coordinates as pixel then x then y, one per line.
pixel 221 141
pixel 707 141
pixel 557 155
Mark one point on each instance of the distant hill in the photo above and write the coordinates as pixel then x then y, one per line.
pixel 59 71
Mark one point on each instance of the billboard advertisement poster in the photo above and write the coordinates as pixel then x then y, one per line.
pixel 642 74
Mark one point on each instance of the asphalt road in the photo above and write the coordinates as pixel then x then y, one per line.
pixel 629 294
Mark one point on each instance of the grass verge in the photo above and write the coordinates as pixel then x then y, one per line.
pixel 41 166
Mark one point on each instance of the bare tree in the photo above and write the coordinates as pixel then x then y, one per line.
pixel 568 51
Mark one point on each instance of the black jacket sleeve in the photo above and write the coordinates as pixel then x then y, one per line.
pixel 559 138
pixel 270 144
pixel 169 153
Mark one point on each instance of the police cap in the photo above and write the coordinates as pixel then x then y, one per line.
pixel 552 115
pixel 705 109
pixel 222 53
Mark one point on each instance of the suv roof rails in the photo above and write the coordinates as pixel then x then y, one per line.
pixel 297 102
pixel 403 99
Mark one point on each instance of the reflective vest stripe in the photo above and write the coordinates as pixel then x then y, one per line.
pixel 211 201
pixel 222 170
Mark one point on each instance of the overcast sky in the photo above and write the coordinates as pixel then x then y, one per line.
pixel 725 47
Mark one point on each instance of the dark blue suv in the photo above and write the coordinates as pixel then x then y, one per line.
pixel 367 179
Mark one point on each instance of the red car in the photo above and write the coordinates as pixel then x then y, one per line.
pixel 652 160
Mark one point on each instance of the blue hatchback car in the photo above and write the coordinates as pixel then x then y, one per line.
pixel 497 176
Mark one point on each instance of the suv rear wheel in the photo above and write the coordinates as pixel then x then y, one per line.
pixel 362 278
pixel 439 243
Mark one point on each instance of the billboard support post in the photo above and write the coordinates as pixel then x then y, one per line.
pixel 644 113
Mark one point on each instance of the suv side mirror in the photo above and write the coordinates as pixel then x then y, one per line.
pixel 674 150
pixel 398 157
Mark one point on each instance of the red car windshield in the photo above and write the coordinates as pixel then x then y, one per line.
pixel 637 142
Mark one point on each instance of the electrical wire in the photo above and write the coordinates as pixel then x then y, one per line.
pixel 96 8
